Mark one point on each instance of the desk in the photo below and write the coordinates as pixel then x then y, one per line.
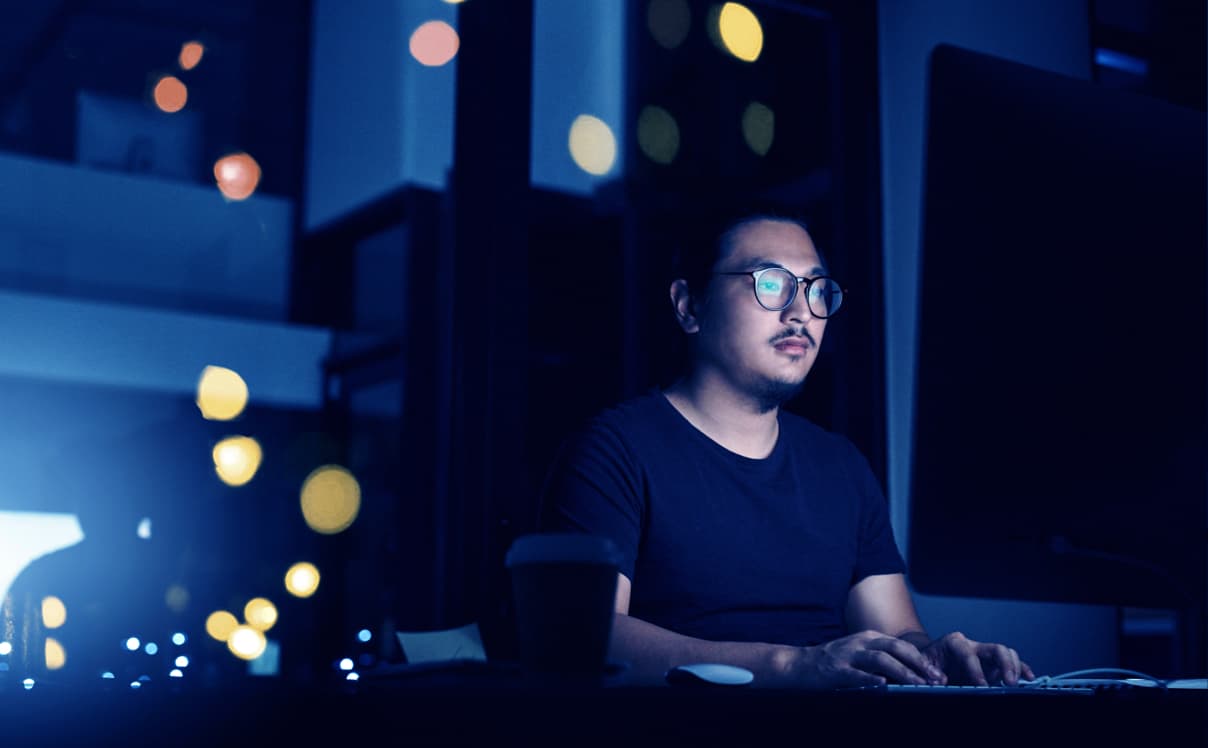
pixel 448 709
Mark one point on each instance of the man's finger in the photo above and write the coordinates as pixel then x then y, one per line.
pixel 882 662
pixel 850 677
pixel 909 654
pixel 973 668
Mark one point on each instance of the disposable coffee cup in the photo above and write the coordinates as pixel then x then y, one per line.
pixel 564 589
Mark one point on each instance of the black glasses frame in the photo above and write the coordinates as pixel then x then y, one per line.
pixel 755 274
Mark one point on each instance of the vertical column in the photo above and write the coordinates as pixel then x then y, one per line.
pixel 490 268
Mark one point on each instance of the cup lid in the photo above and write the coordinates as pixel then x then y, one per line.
pixel 563 547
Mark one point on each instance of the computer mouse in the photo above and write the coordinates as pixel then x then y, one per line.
pixel 709 674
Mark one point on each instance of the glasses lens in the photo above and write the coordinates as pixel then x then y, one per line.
pixel 774 288
pixel 825 297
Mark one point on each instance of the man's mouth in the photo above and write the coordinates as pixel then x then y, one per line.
pixel 794 346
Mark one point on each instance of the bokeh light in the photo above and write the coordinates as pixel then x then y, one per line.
pixel 740 32
pixel 28 683
pixel 658 134
pixel 6 648
pixel 260 613
pixel 434 43
pixel 144 528
pixel 758 127
pixel 346 664
pixel 237 176
pixel 56 656
pixel 302 579
pixel 246 643
pixel 190 55
pixel 236 459
pixel 133 644
pixel 331 499
pixel 592 145
pixel 170 94
pixel 151 648
pixel 364 635
pixel 220 624
pixel 54 612
pixel 174 673
pixel 176 597
pixel 179 639
pixel 668 22
pixel 221 393
pixel 182 661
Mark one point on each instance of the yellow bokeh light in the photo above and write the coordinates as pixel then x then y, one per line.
pixel 740 32
pixel 220 624
pixel 221 393
pixel 592 145
pixel 658 135
pixel 260 614
pixel 434 43
pixel 190 55
pixel 331 499
pixel 668 22
pixel 758 127
pixel 170 94
pixel 246 643
pixel 236 459
pixel 176 597
pixel 56 656
pixel 302 579
pixel 237 176
pixel 54 612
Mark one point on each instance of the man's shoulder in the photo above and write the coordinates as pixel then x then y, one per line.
pixel 633 426
pixel 635 412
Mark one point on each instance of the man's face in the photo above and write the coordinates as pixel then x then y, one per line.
pixel 761 353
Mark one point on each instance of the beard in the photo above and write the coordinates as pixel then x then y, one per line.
pixel 770 394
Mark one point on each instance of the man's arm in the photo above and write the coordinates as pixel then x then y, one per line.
pixel 882 602
pixel 864 659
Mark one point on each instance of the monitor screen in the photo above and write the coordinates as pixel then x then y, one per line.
pixel 1059 449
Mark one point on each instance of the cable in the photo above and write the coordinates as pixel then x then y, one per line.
pixel 1096 676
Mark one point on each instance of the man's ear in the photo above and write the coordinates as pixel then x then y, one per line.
pixel 685 306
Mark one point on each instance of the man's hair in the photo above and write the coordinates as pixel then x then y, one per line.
pixel 707 239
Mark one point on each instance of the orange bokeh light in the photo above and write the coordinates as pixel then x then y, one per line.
pixel 237 175
pixel 170 94
pixel 434 43
pixel 190 55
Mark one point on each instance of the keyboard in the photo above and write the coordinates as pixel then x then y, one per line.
pixel 1038 686
pixel 981 690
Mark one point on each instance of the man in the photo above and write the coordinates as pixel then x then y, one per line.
pixel 750 536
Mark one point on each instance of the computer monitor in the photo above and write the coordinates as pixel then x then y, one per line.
pixel 1059 426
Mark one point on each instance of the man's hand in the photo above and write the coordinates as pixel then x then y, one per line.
pixel 967 662
pixel 868 658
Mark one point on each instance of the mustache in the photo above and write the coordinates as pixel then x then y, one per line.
pixel 798 332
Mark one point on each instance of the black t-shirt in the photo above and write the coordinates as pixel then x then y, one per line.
pixel 719 546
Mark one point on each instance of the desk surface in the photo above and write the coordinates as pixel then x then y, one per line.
pixel 452 709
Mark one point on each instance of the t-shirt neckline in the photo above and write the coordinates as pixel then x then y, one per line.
pixel 761 463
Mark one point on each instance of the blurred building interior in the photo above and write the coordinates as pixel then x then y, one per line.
pixel 328 283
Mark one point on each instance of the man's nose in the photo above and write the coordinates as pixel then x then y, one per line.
pixel 799 309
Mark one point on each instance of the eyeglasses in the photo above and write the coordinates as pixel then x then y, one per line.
pixel 776 288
